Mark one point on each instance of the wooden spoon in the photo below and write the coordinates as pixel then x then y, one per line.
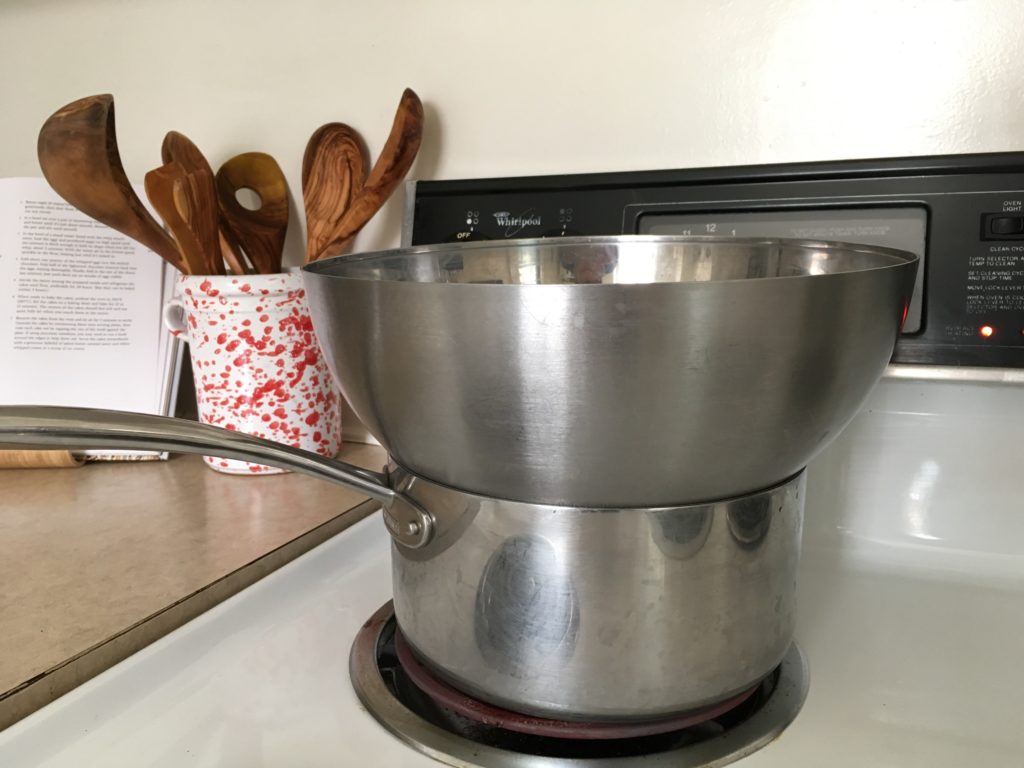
pixel 163 184
pixel 394 162
pixel 78 154
pixel 180 148
pixel 333 172
pixel 261 232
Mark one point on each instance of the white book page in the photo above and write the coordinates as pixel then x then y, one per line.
pixel 79 308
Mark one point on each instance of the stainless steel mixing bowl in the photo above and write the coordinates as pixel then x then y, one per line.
pixel 613 371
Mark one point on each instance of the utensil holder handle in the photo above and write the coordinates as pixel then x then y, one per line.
pixel 174 318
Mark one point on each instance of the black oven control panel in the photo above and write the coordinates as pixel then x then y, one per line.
pixel 962 214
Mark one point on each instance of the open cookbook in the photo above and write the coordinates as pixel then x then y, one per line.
pixel 80 311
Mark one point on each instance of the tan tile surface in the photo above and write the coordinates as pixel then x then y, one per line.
pixel 86 554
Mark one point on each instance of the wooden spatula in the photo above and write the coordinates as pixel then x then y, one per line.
pixel 78 155
pixel 333 173
pixel 163 185
pixel 180 148
pixel 196 198
pixel 394 162
pixel 261 232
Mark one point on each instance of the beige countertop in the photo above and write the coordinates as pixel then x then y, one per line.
pixel 99 561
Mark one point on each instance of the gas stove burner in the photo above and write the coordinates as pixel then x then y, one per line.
pixel 447 725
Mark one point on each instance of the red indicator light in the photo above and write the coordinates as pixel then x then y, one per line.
pixel 987 331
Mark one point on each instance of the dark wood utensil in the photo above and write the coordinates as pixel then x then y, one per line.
pixel 260 233
pixel 163 185
pixel 333 173
pixel 180 148
pixel 78 154
pixel 394 162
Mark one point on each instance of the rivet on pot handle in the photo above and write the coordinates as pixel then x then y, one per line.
pixel 23 426
pixel 407 522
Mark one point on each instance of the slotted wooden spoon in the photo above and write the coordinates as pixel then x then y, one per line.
pixel 78 155
pixel 261 232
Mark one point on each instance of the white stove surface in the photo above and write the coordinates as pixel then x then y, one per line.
pixel 911 614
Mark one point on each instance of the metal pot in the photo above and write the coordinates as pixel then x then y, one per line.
pixel 565 612
pixel 601 614
pixel 555 445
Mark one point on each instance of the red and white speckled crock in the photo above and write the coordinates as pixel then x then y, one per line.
pixel 256 362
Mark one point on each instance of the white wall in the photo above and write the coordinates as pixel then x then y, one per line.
pixel 528 86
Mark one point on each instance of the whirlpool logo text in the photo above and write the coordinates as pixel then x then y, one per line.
pixel 515 223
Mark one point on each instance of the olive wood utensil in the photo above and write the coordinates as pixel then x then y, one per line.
pixel 260 233
pixel 333 172
pixel 393 163
pixel 179 147
pixel 231 253
pixel 196 198
pixel 78 155
pixel 163 185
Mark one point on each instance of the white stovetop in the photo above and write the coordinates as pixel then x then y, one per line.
pixel 911 614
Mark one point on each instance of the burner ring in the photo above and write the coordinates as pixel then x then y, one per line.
pixel 509 720
pixel 754 724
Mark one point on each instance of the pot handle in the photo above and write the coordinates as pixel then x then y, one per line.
pixel 22 426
